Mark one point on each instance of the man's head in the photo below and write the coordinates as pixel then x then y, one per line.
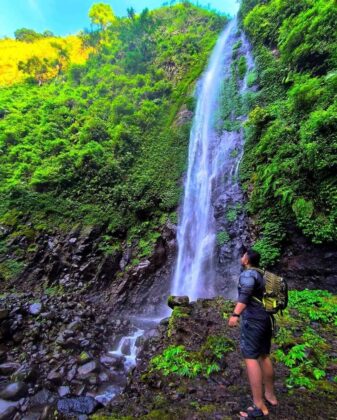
pixel 250 258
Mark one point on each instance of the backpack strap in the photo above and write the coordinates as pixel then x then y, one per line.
pixel 262 273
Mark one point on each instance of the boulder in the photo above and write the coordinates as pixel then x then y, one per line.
pixel 8 368
pixel 14 391
pixel 63 391
pixel 78 405
pixel 88 368
pixel 35 308
pixel 55 377
pixel 7 410
pixel 25 373
pixel 178 301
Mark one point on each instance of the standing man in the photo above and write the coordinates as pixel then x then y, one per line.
pixel 255 338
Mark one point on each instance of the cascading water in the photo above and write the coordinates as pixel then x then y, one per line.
pixel 210 188
pixel 209 162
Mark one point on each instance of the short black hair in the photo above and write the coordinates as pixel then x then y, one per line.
pixel 253 257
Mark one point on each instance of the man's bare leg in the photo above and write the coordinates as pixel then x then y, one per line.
pixel 254 372
pixel 268 379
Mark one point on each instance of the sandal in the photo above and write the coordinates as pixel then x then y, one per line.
pixel 253 413
pixel 270 404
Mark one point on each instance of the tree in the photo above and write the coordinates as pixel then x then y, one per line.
pixel 47 34
pixel 35 67
pixel 131 13
pixel 63 56
pixel 102 15
pixel 26 35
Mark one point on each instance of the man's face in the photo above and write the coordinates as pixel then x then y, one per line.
pixel 244 259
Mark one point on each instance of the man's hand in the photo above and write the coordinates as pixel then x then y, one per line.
pixel 233 321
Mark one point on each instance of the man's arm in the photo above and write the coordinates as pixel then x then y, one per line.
pixel 239 308
pixel 246 287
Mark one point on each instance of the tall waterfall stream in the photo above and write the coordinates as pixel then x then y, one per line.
pixel 204 268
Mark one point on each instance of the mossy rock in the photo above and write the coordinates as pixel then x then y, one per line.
pixel 174 301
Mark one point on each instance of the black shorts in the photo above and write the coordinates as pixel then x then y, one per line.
pixel 255 337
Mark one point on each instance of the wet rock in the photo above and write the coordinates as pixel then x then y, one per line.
pixel 126 347
pixel 42 398
pixel 72 373
pixel 178 301
pixel 25 373
pixel 35 308
pixel 75 326
pixel 87 369
pixel 14 391
pixel 47 413
pixel 159 255
pixel 63 391
pixel 3 313
pixel 103 377
pixel 107 360
pixel 7 410
pixel 79 405
pixel 8 368
pixel 165 321
pixel 55 377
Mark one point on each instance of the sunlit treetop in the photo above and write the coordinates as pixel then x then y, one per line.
pixel 102 14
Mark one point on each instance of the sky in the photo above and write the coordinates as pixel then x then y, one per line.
pixel 65 17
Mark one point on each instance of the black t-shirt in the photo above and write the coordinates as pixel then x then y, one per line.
pixel 251 283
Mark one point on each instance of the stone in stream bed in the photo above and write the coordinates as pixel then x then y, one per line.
pixel 88 368
pixel 8 368
pixel 7 409
pixel 35 308
pixel 14 391
pixel 79 405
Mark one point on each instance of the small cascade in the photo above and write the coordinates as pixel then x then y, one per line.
pixel 125 357
pixel 127 349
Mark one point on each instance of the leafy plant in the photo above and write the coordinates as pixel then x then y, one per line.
pixel 222 237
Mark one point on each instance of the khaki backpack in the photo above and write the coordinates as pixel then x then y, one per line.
pixel 275 297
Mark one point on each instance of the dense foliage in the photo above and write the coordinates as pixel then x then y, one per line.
pixel 38 52
pixel 306 351
pixel 102 142
pixel 289 166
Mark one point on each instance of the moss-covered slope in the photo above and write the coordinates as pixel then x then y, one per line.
pixel 289 165
pixel 104 142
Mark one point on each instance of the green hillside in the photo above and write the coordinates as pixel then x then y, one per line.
pixel 290 162
pixel 104 143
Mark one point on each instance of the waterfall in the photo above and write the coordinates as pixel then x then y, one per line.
pixel 211 187
pixel 194 273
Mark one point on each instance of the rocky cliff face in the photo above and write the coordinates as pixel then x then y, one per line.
pixel 63 315
pixel 306 265
pixel 71 305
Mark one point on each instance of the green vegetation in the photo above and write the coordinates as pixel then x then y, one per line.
pixel 305 351
pixel 222 237
pixel 290 163
pixel 99 144
pixel 231 100
pixel 29 35
pixel 179 361
pixel 178 312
